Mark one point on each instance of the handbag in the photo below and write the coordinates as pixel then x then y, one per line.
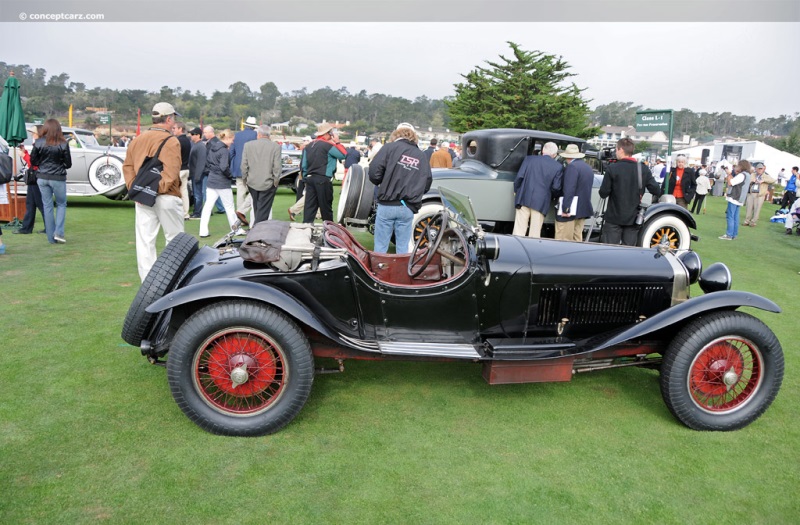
pixel 30 177
pixel 144 188
pixel 6 169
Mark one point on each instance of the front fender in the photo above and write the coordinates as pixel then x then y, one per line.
pixel 220 289
pixel 674 209
pixel 725 300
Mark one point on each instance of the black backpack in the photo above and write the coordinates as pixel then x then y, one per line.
pixel 144 188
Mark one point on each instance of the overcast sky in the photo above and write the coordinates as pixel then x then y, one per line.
pixel 745 68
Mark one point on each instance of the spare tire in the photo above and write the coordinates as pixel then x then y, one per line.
pixel 355 201
pixel 161 279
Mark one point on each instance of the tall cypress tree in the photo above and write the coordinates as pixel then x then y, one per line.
pixel 528 91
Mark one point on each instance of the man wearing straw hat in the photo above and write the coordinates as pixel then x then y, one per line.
pixel 576 202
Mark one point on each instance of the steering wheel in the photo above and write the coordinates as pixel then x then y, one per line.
pixel 434 238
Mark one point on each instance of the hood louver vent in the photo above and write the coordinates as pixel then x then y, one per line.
pixel 588 304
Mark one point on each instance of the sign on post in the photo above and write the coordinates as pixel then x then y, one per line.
pixel 653 121
pixel 656 120
pixel 38 121
pixel 104 119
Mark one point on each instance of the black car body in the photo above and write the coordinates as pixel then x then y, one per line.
pixel 241 336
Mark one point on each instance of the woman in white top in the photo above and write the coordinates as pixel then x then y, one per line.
pixel 703 187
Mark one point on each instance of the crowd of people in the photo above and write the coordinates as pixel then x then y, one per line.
pixel 251 161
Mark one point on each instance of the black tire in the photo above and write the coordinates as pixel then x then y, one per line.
pixel 213 388
pixel 722 371
pixel 665 226
pixel 355 200
pixel 161 279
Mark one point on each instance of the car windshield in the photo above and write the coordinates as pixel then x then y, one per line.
pixel 460 207
pixel 87 139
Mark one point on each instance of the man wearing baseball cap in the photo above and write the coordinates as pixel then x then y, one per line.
pixel 756 193
pixel 318 166
pixel 167 212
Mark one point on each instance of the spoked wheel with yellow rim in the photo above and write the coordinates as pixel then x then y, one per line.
pixel 425 218
pixel 665 228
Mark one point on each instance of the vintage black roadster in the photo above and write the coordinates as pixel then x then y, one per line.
pixel 241 336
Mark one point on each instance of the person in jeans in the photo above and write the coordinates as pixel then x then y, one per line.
pixel 33 197
pixel 51 154
pixel 737 192
pixel 403 175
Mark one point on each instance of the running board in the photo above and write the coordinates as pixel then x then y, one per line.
pixel 457 351
pixel 529 348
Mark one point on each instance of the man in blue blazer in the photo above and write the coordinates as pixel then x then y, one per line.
pixel 577 183
pixel 537 179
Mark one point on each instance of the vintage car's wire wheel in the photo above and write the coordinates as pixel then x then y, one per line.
pixel 667 227
pixel 240 368
pixel 426 214
pixel 105 173
pixel 161 279
pixel 722 371
pixel 355 200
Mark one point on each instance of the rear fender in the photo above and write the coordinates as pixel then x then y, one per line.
pixel 674 209
pixel 221 289
pixel 725 300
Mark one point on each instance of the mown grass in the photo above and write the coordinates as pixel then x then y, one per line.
pixel 89 432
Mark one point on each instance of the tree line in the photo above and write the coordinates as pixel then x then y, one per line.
pixel 525 90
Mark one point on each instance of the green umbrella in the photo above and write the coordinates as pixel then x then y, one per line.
pixel 12 126
pixel 12 119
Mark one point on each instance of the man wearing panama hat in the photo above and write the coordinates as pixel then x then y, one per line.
pixel 576 202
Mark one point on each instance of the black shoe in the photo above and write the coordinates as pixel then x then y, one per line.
pixel 788 231
pixel 21 232
pixel 42 231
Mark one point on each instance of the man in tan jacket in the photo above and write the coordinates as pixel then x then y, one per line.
pixel 167 212
pixel 261 172
pixel 756 193
pixel 441 158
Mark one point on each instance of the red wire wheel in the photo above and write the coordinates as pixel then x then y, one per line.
pixel 725 375
pixel 240 371
pixel 240 368
pixel 721 371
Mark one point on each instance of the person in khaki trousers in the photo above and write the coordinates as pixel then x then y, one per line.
pixel 756 193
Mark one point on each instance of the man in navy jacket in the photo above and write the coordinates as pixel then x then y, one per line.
pixel 538 177
pixel 578 181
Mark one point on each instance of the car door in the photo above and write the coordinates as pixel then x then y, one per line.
pixel 78 173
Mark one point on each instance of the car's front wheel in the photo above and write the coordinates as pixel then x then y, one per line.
pixel 665 228
pixel 240 368
pixel 423 219
pixel 722 371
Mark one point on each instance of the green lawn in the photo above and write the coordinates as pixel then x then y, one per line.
pixel 89 432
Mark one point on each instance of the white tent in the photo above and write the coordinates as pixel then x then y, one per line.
pixel 751 150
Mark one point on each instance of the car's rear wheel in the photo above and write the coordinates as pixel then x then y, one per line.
pixel 240 368
pixel 161 279
pixel 722 371
pixel 105 173
pixel 667 228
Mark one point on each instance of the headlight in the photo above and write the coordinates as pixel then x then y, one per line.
pixel 693 265
pixel 715 278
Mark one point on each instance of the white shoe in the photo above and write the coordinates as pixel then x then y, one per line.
pixel 240 231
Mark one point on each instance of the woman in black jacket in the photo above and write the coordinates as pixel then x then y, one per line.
pixel 51 154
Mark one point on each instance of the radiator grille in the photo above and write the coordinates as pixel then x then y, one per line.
pixel 598 304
